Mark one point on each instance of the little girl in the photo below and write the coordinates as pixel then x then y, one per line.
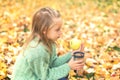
pixel 39 60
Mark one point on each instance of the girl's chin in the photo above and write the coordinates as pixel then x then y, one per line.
pixel 56 38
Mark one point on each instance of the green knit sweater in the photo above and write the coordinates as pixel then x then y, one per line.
pixel 37 64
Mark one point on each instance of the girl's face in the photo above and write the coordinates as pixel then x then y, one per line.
pixel 55 32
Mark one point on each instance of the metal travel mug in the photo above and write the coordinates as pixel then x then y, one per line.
pixel 78 56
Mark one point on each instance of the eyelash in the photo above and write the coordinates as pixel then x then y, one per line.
pixel 58 29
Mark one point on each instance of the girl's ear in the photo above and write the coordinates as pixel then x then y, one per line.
pixel 44 32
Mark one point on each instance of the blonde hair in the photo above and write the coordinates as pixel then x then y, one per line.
pixel 43 21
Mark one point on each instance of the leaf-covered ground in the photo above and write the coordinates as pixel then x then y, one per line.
pixel 94 22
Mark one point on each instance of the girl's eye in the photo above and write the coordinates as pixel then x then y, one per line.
pixel 58 29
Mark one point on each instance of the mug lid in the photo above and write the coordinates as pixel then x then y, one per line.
pixel 78 54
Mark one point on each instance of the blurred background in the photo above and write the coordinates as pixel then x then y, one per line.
pixel 95 22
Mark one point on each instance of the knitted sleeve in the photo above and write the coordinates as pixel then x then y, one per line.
pixel 59 60
pixel 58 72
pixel 41 68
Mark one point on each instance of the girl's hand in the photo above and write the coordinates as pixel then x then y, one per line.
pixel 81 49
pixel 76 65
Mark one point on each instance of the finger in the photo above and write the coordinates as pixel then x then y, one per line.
pixel 82 64
pixel 80 61
pixel 79 68
pixel 81 48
